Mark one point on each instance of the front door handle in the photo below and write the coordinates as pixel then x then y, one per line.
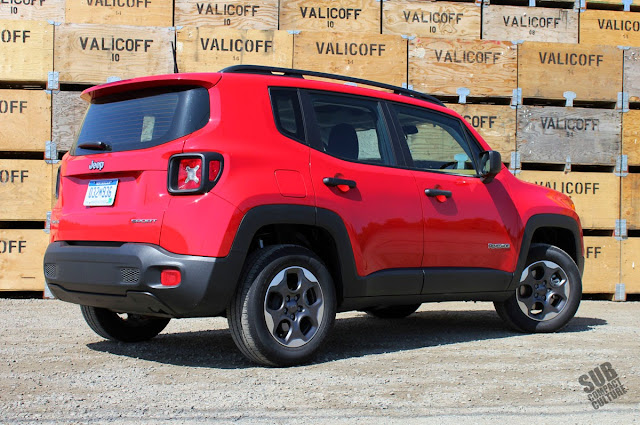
pixel 437 192
pixel 334 182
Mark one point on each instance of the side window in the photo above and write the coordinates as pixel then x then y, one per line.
pixel 435 142
pixel 352 129
pixel 287 113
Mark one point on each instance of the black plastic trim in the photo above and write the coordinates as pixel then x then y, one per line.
pixel 437 192
pixel 461 280
pixel 91 275
pixel 205 184
pixel 332 182
pixel 539 221
pixel 88 273
pixel 299 73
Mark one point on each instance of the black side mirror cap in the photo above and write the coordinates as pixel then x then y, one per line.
pixel 491 164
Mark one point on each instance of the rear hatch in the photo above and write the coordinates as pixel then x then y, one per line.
pixel 113 182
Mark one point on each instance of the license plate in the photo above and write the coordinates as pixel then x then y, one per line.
pixel 101 193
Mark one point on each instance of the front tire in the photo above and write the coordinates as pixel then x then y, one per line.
pixel 284 307
pixel 548 294
pixel 123 327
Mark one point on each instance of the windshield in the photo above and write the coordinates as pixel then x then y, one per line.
pixel 142 119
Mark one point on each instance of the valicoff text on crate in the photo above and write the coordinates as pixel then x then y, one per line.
pixel 373 57
pixel 26 49
pixel 495 123
pixel 33 10
pixel 587 136
pixel 25 120
pixel 239 14
pixel 91 54
pixel 202 49
pixel 431 19
pixel 595 195
pixel 529 24
pixel 362 16
pixel 441 66
pixel 548 70
pixel 25 189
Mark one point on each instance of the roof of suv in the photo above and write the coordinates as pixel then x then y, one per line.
pixel 210 79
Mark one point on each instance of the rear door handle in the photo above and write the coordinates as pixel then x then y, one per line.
pixel 333 182
pixel 437 192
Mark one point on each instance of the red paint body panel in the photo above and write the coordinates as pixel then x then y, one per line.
pixel 391 223
pixel 458 230
pixel 253 149
pixel 142 194
pixel 382 214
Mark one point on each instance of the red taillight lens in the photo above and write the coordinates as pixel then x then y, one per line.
pixel 214 170
pixel 189 173
pixel 194 173
pixel 170 277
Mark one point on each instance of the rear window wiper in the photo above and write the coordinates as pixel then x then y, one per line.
pixel 96 146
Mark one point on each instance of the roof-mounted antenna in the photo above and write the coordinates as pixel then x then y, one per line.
pixel 175 60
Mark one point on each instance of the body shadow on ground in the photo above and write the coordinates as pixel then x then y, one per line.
pixel 351 337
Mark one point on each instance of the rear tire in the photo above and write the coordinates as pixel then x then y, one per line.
pixel 393 311
pixel 284 307
pixel 548 294
pixel 123 327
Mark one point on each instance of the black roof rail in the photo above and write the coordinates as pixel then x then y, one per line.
pixel 299 73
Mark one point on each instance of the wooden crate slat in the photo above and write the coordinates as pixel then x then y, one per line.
pixel 26 49
pixel 25 189
pixel 362 16
pixel 209 49
pixel 529 24
pixel 631 265
pixel 68 113
pixel 376 57
pixel 547 70
pixel 601 265
pixel 631 137
pixel 236 14
pixel 153 13
pixel 611 2
pixel 495 123
pixel 25 120
pixel 595 195
pixel 48 10
pixel 608 27
pixel 549 135
pixel 440 66
pixel 87 53
pixel 21 254
pixel 630 207
pixel 431 19
pixel 631 78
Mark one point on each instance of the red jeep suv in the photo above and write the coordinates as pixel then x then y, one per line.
pixel 277 200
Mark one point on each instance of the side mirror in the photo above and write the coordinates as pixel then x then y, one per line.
pixel 491 164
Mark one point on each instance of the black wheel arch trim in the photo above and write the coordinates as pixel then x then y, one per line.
pixel 349 284
pixel 540 221
pixel 265 215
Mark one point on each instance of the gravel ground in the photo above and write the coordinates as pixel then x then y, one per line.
pixel 450 363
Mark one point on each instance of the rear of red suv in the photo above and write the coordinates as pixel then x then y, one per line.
pixel 123 229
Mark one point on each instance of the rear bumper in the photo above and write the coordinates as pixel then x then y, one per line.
pixel 126 278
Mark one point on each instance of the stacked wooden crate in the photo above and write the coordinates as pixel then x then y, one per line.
pixel 26 48
pixel 568 134
pixel 548 87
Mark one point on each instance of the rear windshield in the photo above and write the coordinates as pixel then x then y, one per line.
pixel 142 119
